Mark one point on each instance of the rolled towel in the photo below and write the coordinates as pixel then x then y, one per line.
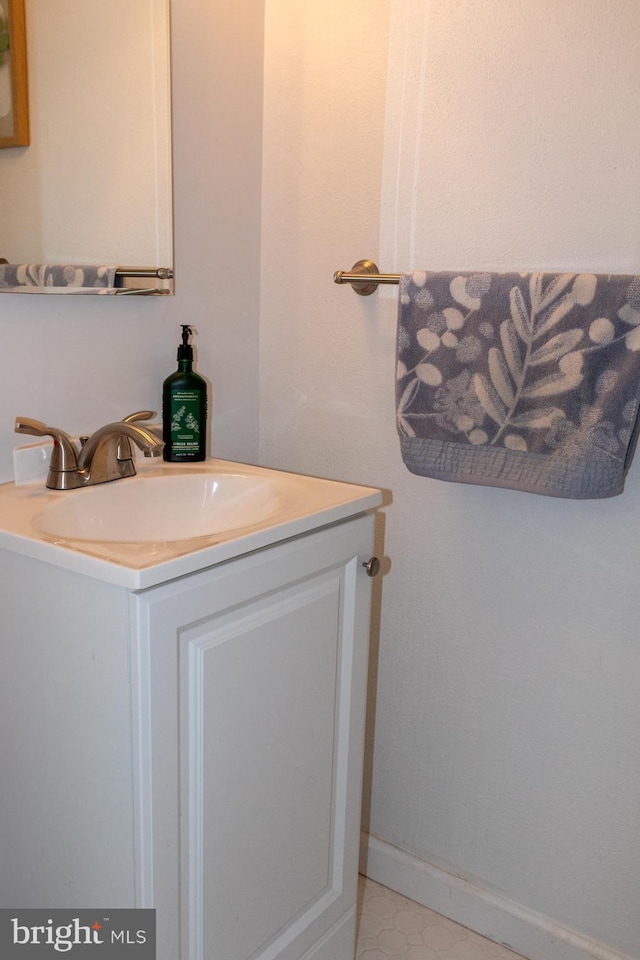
pixel 56 278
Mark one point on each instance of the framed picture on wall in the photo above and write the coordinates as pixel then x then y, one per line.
pixel 14 101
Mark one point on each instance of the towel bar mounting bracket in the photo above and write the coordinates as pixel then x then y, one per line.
pixel 360 268
pixel 364 277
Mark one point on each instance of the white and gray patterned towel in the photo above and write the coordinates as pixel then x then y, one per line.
pixel 526 381
pixel 57 278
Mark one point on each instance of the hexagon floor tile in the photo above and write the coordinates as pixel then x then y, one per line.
pixel 390 927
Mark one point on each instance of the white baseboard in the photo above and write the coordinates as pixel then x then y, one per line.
pixel 522 930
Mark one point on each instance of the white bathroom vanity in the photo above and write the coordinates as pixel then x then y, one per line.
pixel 182 722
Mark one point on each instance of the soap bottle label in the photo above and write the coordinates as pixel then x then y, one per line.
pixel 185 424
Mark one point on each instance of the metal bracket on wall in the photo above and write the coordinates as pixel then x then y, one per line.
pixel 364 277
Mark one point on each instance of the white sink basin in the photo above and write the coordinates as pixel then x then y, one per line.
pixel 170 519
pixel 161 508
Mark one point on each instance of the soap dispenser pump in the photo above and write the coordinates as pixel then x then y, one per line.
pixel 184 408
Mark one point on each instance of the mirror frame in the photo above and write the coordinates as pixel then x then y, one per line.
pixel 19 136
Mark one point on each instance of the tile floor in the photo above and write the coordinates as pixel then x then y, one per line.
pixel 390 927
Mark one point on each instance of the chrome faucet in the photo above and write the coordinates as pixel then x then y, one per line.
pixel 105 455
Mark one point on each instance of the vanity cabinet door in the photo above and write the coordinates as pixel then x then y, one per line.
pixel 249 695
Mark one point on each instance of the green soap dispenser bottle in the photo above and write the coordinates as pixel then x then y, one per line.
pixel 184 409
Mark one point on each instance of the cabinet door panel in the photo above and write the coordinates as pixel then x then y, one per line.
pixel 248 674
pixel 261 752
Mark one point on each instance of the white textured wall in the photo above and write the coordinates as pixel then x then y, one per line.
pixel 507 734
pixel 510 138
pixel 78 362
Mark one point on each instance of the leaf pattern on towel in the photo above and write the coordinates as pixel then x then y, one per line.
pixel 524 361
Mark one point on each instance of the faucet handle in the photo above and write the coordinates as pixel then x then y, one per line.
pixel 140 415
pixel 125 450
pixel 34 428
pixel 63 456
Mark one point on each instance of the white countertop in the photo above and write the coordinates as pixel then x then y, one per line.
pixel 307 503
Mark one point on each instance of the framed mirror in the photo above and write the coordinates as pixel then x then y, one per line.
pixel 94 185
pixel 14 101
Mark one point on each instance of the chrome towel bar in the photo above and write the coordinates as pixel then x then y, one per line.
pixel 150 273
pixel 364 277
pixel 162 273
